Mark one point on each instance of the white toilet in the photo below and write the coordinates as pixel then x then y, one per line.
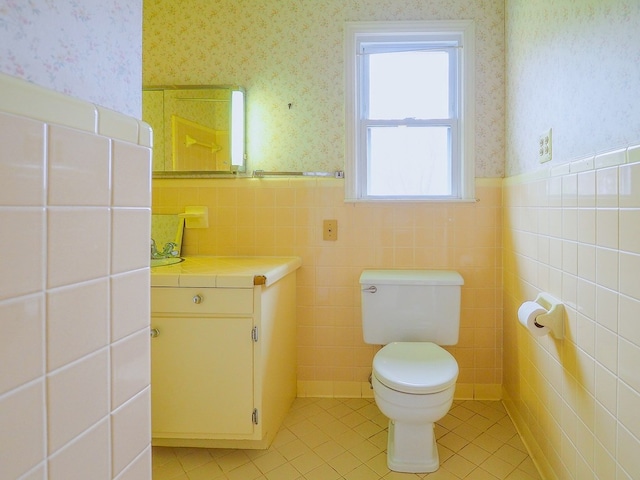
pixel 412 312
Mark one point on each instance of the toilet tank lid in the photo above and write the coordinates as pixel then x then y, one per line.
pixel 411 277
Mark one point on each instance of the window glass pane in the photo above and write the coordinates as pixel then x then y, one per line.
pixel 409 85
pixel 409 161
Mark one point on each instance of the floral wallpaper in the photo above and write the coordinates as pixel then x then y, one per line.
pixel 89 49
pixel 573 66
pixel 288 54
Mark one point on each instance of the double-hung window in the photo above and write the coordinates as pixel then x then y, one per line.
pixel 409 110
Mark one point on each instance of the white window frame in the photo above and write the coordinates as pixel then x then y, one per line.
pixel 463 162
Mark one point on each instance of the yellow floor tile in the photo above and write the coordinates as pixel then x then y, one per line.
pixel 346 439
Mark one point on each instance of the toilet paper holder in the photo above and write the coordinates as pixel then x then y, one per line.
pixel 554 318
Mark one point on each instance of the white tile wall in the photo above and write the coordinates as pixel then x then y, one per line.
pixel 138 468
pixel 22 182
pixel 24 227
pixel 75 195
pixel 77 236
pixel 85 457
pixel 130 427
pixel 130 367
pixel 130 297
pixel 23 330
pixel 78 167
pixel 131 227
pixel 83 309
pixel 576 236
pixel 22 437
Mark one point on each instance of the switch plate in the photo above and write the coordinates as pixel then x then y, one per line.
pixel 330 230
pixel 545 149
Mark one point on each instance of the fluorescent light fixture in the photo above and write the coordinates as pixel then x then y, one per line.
pixel 237 128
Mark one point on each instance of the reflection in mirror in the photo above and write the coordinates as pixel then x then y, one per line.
pixel 198 130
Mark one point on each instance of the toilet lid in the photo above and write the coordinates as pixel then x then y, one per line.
pixel 415 367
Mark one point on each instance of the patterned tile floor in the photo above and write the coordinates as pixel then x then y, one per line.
pixel 335 439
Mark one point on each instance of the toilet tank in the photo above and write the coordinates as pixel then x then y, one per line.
pixel 410 306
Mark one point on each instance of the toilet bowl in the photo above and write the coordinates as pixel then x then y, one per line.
pixel 413 385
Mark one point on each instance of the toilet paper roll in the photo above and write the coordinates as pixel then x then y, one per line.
pixel 527 314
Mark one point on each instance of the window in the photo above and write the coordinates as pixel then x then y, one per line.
pixel 409 110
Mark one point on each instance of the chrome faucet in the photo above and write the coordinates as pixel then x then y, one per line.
pixel 168 251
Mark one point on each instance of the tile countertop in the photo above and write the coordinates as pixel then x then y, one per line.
pixel 224 272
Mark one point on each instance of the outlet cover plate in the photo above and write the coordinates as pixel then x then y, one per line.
pixel 545 149
pixel 330 230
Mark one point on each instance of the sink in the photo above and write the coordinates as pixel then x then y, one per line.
pixel 160 262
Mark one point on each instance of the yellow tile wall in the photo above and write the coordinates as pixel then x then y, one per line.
pixel 250 216
pixel 574 231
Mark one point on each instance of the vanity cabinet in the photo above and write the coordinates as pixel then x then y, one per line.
pixel 223 363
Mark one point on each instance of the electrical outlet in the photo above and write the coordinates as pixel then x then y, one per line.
pixel 330 230
pixel 545 147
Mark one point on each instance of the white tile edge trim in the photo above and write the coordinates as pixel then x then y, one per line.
pixel 612 158
pixel 20 97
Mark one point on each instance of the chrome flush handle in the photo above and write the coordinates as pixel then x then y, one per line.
pixel 371 289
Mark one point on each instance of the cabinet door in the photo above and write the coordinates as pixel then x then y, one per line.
pixel 201 377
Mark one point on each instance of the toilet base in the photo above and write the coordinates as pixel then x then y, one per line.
pixel 411 448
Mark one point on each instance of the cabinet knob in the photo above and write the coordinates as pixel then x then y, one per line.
pixel 197 299
pixel 154 332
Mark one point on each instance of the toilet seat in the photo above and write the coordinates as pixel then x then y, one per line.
pixel 415 367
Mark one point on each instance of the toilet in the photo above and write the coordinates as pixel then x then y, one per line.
pixel 412 313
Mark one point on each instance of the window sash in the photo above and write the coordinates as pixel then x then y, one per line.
pixel 452 166
pixel 369 49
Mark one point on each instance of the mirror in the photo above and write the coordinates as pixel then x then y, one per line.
pixel 198 131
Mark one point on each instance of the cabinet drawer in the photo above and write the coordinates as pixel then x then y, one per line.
pixel 201 300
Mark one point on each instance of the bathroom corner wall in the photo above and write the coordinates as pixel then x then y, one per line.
pixel 572 229
pixel 74 288
pixel 574 232
pixel 249 216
